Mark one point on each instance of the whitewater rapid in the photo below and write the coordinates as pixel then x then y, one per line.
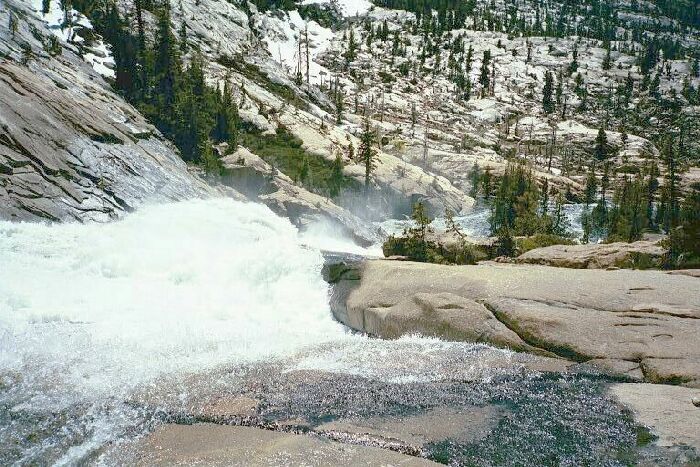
pixel 89 313
pixel 171 288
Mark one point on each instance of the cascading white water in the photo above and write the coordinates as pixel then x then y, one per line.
pixel 108 329
pixel 171 288
pixel 91 312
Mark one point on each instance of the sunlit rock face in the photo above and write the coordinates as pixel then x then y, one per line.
pixel 70 148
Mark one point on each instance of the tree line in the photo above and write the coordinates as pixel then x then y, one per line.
pixel 165 80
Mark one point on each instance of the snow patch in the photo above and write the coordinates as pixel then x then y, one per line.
pixel 67 25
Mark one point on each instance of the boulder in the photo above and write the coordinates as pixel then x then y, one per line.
pixel 637 324
pixel 597 256
pixel 668 411
pixel 463 425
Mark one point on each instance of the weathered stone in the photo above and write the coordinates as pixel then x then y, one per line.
pixel 71 148
pixel 465 425
pixel 443 315
pixel 209 444
pixel 226 408
pixel 687 272
pixel 617 367
pixel 596 256
pixel 667 410
pixel 626 322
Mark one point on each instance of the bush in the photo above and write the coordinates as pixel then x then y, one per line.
pixel 433 252
pixel 415 245
pixel 540 241
pixel 284 151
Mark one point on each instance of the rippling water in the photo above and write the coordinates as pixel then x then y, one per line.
pixel 106 329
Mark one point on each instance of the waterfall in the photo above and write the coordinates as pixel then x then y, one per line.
pixel 89 313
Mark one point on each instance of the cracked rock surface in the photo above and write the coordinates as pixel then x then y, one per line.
pixel 639 324
pixel 211 444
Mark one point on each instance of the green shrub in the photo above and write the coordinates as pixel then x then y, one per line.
pixel 284 151
pixel 415 245
pixel 540 241
pixel 433 252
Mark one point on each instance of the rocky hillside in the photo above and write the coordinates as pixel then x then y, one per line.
pixel 70 147
pixel 592 91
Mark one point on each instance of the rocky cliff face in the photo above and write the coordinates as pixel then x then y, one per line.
pixel 70 148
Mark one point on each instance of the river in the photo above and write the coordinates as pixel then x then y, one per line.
pixel 107 330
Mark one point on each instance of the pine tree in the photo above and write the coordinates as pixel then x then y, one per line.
pixel 484 75
pixel 627 216
pixel 351 53
pixel 487 183
pixel 226 117
pixel 422 221
pixel 335 182
pixel 167 62
pixel 560 222
pixel 366 153
pixel 573 66
pixel 183 37
pixel 601 145
pixel 560 90
pixel 591 186
pixel 468 61
pixel 339 98
pixel 211 164
pixel 141 53
pixel 607 61
pixel 474 177
pixel 547 101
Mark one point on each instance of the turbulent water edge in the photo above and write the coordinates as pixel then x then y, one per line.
pixel 107 330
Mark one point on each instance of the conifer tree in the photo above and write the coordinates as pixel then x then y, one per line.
pixel 591 186
pixel 335 182
pixel 350 54
pixel 573 66
pixel 183 37
pixel 226 117
pixel 167 61
pixel 547 100
pixel 607 61
pixel 560 222
pixel 367 154
pixel 474 177
pixel 484 75
pixel 468 61
pixel 601 145
pixel 211 163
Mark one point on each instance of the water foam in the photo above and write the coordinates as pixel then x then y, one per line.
pixel 94 310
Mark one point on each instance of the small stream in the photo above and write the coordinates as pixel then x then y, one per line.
pixel 107 330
